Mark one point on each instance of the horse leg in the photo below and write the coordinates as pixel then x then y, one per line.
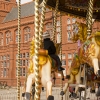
pixel 96 66
pixel 46 78
pixel 68 73
pixel 49 88
pixel 29 82
pixel 77 77
pixel 67 84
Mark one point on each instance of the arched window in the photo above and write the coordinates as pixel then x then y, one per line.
pixel 69 36
pixel 68 21
pixel 58 38
pixel 1 39
pixel 8 37
pixel 16 36
pixel 73 20
pixel 26 34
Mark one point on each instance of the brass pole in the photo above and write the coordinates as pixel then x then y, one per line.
pixel 55 20
pixel 89 30
pixel 42 21
pixel 61 50
pixel 18 67
pixel 37 89
pixel 89 17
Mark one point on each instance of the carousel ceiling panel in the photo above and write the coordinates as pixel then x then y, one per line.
pixel 76 7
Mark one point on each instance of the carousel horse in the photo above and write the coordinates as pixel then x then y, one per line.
pixel 74 72
pixel 91 46
pixel 85 52
pixel 47 65
pixel 75 75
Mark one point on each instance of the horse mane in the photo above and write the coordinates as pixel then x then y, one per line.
pixel 81 34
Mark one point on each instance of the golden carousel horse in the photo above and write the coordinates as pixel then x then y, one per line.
pixel 88 52
pixel 47 65
pixel 91 46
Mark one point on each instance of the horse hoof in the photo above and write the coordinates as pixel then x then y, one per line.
pixel 62 93
pixel 75 95
pixel 81 89
pixel 67 76
pixel 92 91
pixel 23 94
pixel 98 92
pixel 63 79
pixel 50 97
pixel 27 96
pixel 98 73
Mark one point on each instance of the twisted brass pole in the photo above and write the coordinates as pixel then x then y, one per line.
pixel 89 30
pixel 61 50
pixel 37 89
pixel 55 20
pixel 42 21
pixel 18 67
pixel 89 17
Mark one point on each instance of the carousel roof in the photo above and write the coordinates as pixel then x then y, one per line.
pixel 76 7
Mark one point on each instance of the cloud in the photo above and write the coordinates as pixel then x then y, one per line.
pixel 24 1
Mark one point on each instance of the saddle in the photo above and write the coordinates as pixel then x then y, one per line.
pixel 43 58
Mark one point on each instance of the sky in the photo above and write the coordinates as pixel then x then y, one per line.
pixel 24 1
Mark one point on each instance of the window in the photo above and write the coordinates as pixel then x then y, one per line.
pixel 1 39
pixel 63 62
pixel 23 55
pixel 1 64
pixel 24 71
pixel 4 72
pixel 8 57
pixel 58 38
pixel 69 56
pixel 63 56
pixel 58 29
pixel 73 20
pixel 4 57
pixel 20 71
pixel 20 62
pixel 58 23
pixel 23 62
pixel 68 27
pixel 68 21
pixel 27 62
pixel 48 25
pixel 27 54
pixel 8 37
pixel 5 64
pixel 69 62
pixel 69 35
pixel 27 34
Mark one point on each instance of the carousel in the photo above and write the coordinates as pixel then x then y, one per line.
pixel 86 59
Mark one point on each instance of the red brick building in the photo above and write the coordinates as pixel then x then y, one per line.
pixel 9 38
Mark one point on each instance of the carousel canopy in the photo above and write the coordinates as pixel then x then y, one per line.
pixel 76 7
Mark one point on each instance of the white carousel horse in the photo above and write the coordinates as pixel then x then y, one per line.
pixel 74 73
pixel 46 66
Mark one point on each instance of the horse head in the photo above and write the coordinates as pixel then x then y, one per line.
pixel 79 32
